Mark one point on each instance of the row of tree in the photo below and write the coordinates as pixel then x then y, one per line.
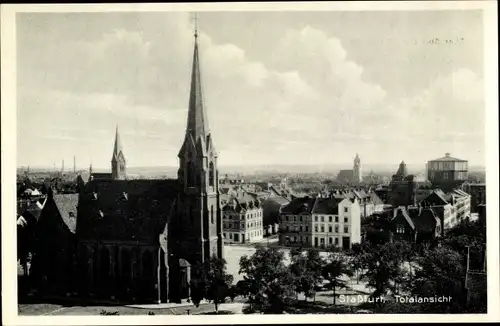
pixel 390 269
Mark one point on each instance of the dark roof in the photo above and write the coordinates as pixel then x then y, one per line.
pixel 425 221
pixel 448 158
pixel 437 197
pixel 299 205
pixel 67 205
pixel 326 206
pixel 402 211
pixel 345 175
pixel 100 176
pixel 125 209
pixel 242 202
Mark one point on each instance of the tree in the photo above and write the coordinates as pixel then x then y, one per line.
pixel 333 271
pixel 440 273
pixel 267 279
pixel 211 282
pixel 383 267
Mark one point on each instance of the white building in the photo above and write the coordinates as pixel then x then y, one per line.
pixel 321 222
pixel 242 219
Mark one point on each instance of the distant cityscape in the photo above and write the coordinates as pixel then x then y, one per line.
pixel 200 238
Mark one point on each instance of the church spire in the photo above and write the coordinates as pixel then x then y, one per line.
pixel 197 123
pixel 118 145
pixel 118 160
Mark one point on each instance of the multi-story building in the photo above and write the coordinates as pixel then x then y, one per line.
pixel 452 208
pixel 447 172
pixel 321 222
pixel 477 192
pixel 242 219
pixel 402 188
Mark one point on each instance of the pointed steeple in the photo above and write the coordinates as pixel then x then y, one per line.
pixel 197 123
pixel 118 146
pixel 118 168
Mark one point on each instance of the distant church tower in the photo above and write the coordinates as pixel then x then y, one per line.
pixel 199 220
pixel 356 170
pixel 118 163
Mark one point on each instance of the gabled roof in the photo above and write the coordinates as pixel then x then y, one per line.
pixel 402 211
pixel 426 220
pixel 67 205
pixel 437 198
pixel 299 205
pixel 327 206
pixel 375 199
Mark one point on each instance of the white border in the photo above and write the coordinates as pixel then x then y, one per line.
pixel 8 151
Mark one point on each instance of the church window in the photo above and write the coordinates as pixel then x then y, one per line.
pixel 211 175
pixel 190 174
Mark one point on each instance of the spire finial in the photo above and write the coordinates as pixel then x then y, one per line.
pixel 195 21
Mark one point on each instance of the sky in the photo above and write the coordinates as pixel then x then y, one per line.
pixel 279 87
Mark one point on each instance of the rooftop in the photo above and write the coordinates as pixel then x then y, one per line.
pixel 448 158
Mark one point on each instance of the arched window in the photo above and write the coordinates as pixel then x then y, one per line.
pixel 211 174
pixel 190 174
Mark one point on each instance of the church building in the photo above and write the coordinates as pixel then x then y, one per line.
pixel 137 239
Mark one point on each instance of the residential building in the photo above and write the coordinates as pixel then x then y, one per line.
pixel 415 224
pixel 452 208
pixel 477 192
pixel 242 219
pixel 321 222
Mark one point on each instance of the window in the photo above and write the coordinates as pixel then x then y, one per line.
pixel 315 219
pixel 329 218
pixel 307 228
pixel 211 174
pixel 330 240
pixel 400 229
pixel 336 241
pixel 322 228
pixel 336 229
pixel 301 218
pixel 287 217
pixel 346 229
pixel 212 214
pixel 190 174
pixel 315 228
pixel 301 228
pixel 336 219
pixel 322 219
pixel 287 228
pixel 330 228
pixel 346 219
pixel 346 209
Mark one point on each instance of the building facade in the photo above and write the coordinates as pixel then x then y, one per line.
pixel 452 208
pixel 242 219
pixel 477 192
pixel 447 172
pixel 402 188
pixel 321 223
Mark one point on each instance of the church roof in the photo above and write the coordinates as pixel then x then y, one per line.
pixel 125 209
pixel 67 206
